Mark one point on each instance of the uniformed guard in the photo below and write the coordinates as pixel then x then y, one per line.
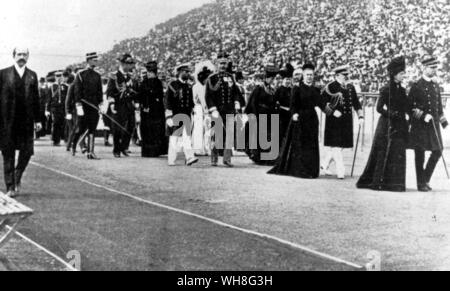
pixel 88 97
pixel 427 112
pixel 56 106
pixel 179 100
pixel 223 98
pixel 341 98
pixel 122 95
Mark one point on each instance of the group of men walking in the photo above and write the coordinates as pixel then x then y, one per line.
pixel 173 120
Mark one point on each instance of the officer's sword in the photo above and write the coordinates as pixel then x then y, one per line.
pixel 105 115
pixel 356 150
pixel 441 146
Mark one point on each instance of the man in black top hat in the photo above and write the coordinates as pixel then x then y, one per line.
pixel 428 115
pixel 122 95
pixel 223 98
pixel 56 106
pixel 88 97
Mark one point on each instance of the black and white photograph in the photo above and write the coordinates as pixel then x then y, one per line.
pixel 199 138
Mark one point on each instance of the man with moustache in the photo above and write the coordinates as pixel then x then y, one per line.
pixel 19 118
pixel 428 114
pixel 88 97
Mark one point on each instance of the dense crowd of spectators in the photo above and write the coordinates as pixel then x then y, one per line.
pixel 363 33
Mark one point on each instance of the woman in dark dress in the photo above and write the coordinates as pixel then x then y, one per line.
pixel 300 156
pixel 261 103
pixel 153 121
pixel 386 168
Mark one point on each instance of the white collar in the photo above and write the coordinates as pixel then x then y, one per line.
pixel 123 72
pixel 181 80
pixel 20 70
pixel 426 78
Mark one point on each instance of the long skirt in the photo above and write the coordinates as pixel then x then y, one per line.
pixel 386 168
pixel 155 143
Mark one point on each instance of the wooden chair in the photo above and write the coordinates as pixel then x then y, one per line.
pixel 12 214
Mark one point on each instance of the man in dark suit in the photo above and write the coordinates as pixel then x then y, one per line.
pixel 19 117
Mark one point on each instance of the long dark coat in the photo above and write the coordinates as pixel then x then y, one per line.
pixel 262 102
pixel 426 96
pixel 300 154
pixel 339 131
pixel 153 121
pixel 9 117
pixel 386 168
pixel 283 99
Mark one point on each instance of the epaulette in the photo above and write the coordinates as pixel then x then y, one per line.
pixel 326 89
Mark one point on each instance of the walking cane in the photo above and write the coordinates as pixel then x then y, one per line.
pixel 356 150
pixel 441 146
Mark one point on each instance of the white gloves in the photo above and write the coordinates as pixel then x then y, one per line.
pixel 69 117
pixel 237 106
pixel 337 114
pixel 169 122
pixel 215 114
pixel 47 114
pixel 428 118
pixel 80 111
pixel 295 117
pixel 361 121
pixel 38 126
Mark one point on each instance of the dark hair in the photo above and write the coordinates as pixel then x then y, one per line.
pixel 15 52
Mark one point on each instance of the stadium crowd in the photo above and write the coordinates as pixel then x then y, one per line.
pixel 328 33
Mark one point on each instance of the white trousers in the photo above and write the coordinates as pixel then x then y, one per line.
pixel 180 144
pixel 336 155
pixel 200 134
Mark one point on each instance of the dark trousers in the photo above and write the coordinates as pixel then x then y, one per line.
pixel 424 173
pixel 122 138
pixel 87 123
pixel 13 174
pixel 58 127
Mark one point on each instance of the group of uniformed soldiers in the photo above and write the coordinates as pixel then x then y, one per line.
pixel 131 102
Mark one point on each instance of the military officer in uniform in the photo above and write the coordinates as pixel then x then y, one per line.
pixel 56 106
pixel 122 96
pixel 88 97
pixel 179 100
pixel 223 98
pixel 428 115
pixel 341 98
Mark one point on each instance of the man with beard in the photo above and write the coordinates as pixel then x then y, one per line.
pixel 153 121
pixel 342 99
pixel 179 103
pixel 428 115
pixel 121 93
pixel 56 106
pixel 88 97
pixel 19 118
pixel 223 98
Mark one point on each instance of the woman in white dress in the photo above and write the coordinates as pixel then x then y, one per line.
pixel 200 134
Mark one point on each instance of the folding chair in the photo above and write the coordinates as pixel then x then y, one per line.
pixel 12 214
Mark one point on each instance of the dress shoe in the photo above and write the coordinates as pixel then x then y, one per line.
pixel 84 150
pixel 228 164
pixel 92 156
pixel 11 194
pixel 125 153
pixel 191 161
pixel 18 189
pixel 107 144
pixel 429 187
pixel 214 164
pixel 326 172
pixel 423 188
pixel 117 155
